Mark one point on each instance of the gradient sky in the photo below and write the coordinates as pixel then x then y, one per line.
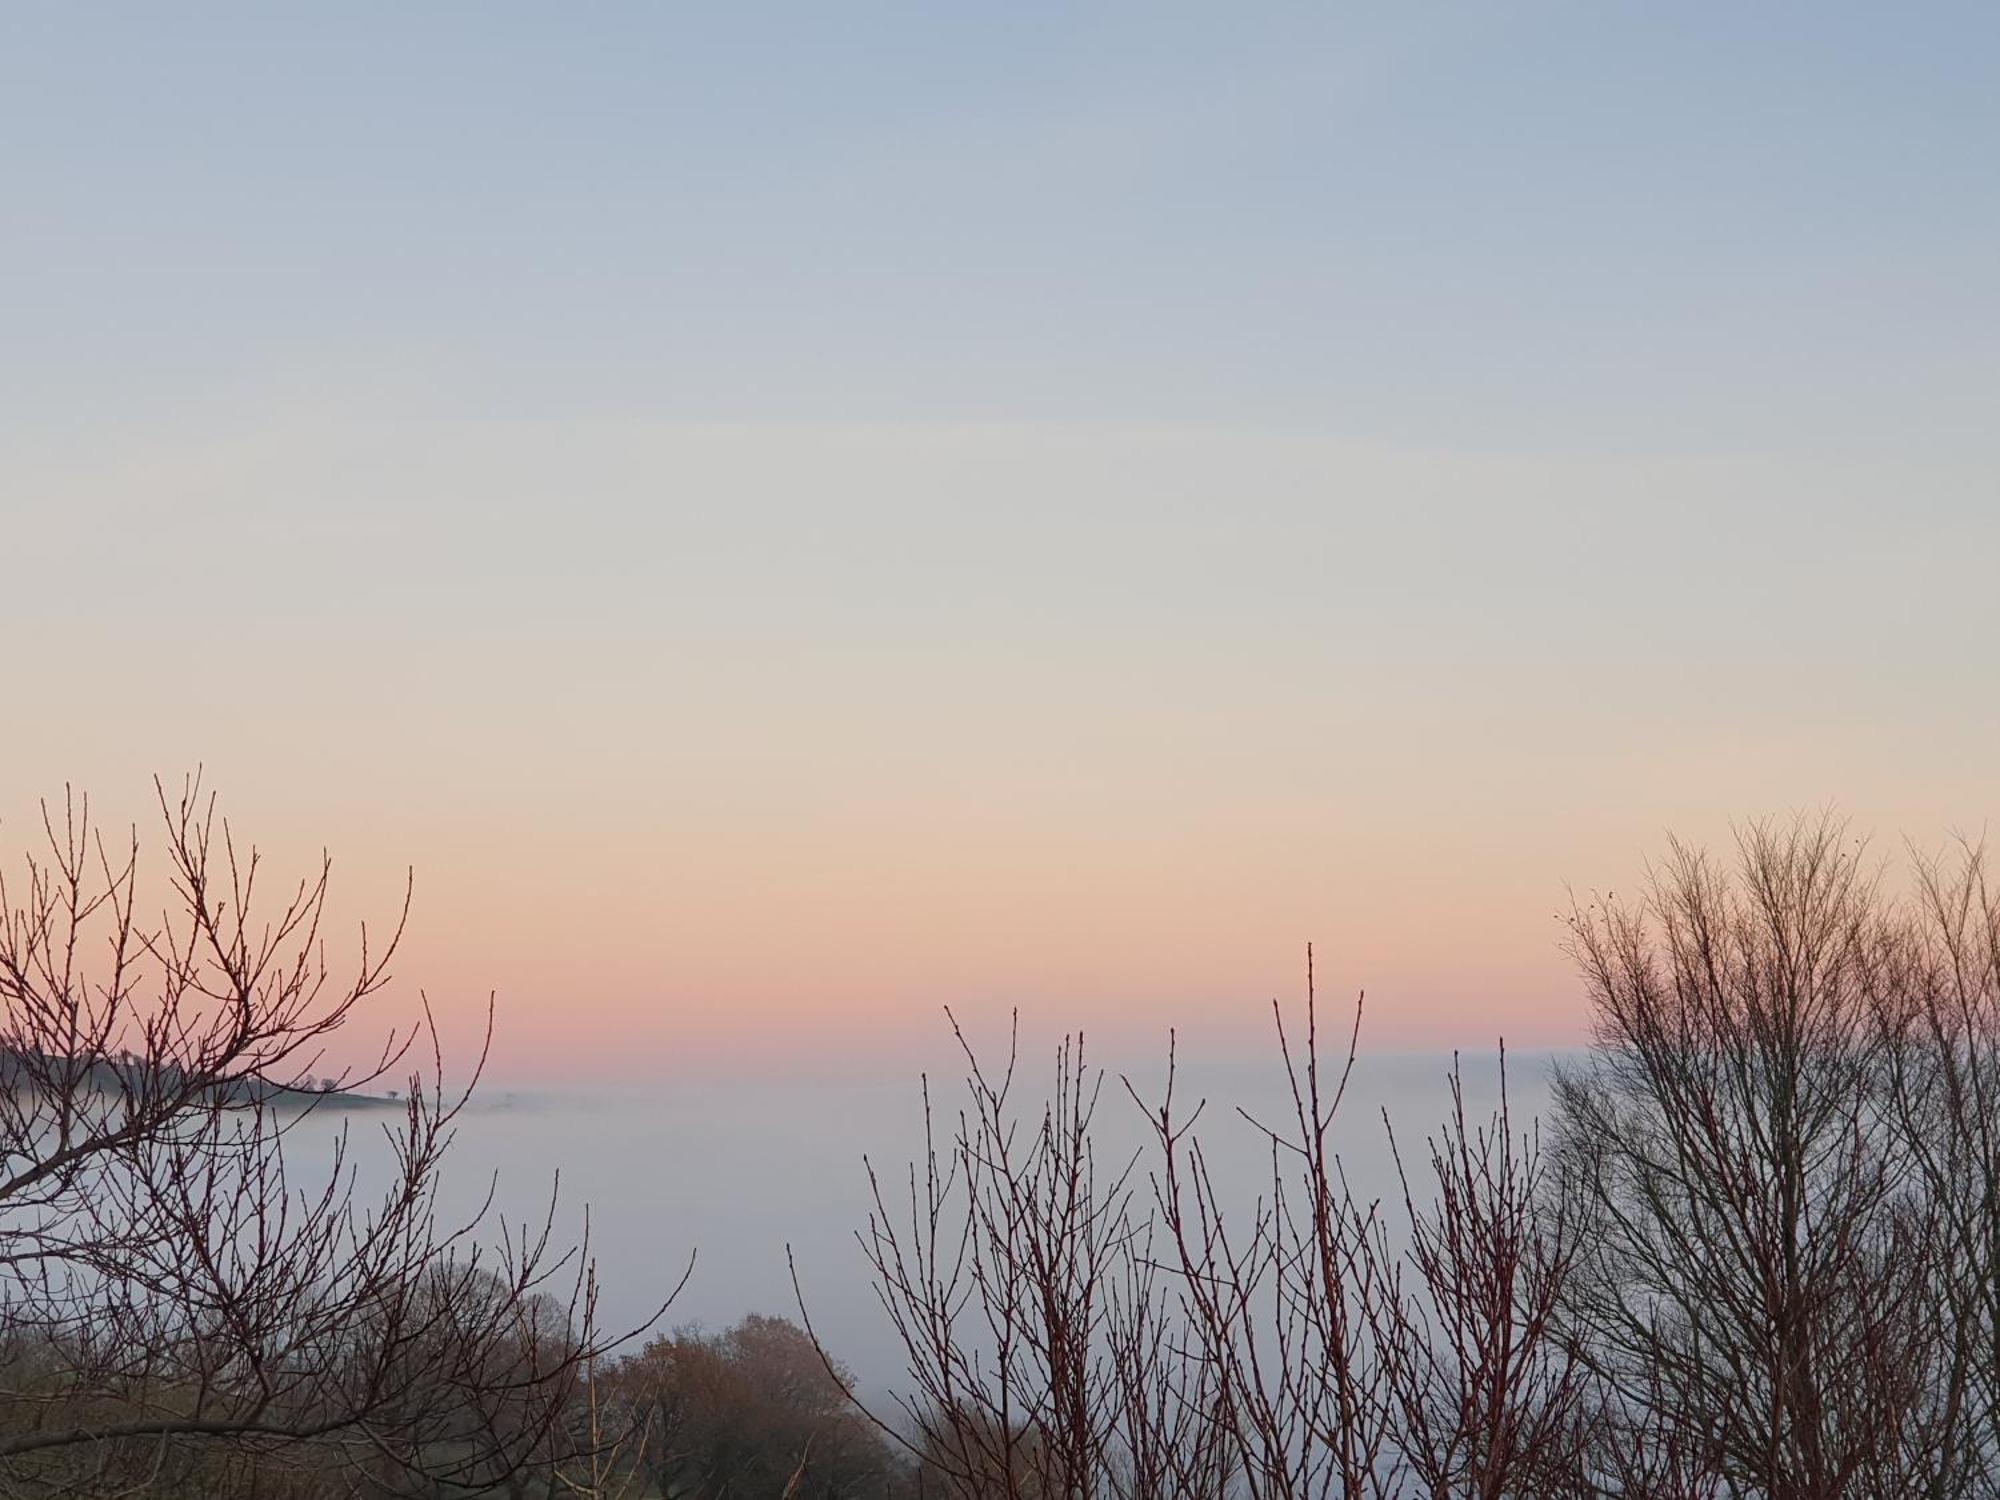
pixel 791 516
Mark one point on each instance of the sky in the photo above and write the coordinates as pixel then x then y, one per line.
pixel 791 517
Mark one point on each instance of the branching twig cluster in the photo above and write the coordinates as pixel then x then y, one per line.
pixel 176 1306
pixel 1069 1336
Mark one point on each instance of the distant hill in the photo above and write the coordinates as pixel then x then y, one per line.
pixel 115 1075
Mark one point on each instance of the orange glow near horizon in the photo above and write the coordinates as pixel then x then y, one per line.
pixel 791 520
pixel 748 781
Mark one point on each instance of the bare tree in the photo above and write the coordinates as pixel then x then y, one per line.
pixel 1760 1273
pixel 173 1302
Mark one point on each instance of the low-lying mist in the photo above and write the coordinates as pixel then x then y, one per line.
pixel 733 1173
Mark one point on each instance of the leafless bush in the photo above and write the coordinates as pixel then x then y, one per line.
pixel 1287 1313
pixel 1487 1396
pixel 1001 1265
pixel 174 1304
pixel 1066 1338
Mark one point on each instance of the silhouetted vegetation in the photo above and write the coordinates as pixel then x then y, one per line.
pixel 178 1314
pixel 1759 1257
pixel 750 1411
pixel 1753 1249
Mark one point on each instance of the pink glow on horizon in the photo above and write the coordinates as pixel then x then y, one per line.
pixel 779 770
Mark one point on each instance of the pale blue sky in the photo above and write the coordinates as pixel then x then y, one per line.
pixel 1570 225
pixel 790 515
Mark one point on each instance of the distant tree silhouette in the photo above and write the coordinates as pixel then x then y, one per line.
pixel 753 1410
